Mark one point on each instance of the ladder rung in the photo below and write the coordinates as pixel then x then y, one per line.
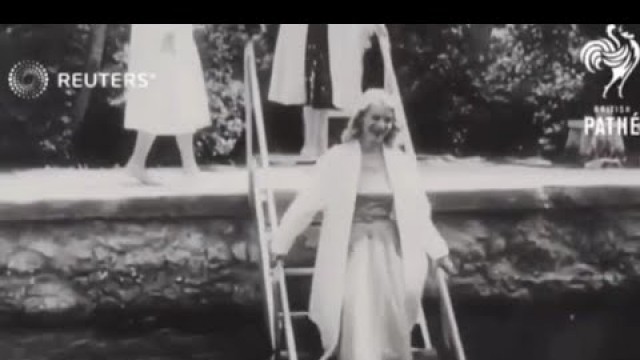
pixel 295 314
pixel 284 353
pixel 427 354
pixel 301 354
pixel 290 160
pixel 298 271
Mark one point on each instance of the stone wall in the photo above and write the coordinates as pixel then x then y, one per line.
pixel 529 250
pixel 533 255
pixel 74 268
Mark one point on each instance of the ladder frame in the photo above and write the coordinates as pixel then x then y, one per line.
pixel 262 200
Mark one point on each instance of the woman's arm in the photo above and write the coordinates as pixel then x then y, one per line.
pixel 434 244
pixel 308 202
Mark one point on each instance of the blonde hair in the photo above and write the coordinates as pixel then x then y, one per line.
pixel 374 96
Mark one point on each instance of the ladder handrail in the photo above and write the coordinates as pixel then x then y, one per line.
pixel 449 314
pixel 253 104
pixel 248 108
pixel 286 311
pixel 262 137
pixel 391 85
pixel 443 288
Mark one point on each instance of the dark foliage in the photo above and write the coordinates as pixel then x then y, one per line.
pixel 490 89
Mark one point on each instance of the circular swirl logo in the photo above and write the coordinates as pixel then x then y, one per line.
pixel 28 79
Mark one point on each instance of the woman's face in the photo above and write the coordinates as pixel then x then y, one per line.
pixel 377 122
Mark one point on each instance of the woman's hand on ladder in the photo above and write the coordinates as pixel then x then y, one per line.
pixel 446 264
pixel 277 259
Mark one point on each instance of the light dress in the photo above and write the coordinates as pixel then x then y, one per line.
pixel 374 313
pixel 175 100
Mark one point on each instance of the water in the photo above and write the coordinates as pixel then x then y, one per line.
pixel 604 328
pixel 594 329
pixel 220 336
pixel 162 344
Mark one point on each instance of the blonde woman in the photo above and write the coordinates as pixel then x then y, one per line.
pixel 376 240
pixel 175 103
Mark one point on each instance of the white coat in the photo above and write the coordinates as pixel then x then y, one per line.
pixel 347 45
pixel 333 190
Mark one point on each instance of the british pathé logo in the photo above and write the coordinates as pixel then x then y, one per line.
pixel 619 51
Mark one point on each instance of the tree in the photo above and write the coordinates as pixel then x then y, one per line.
pixel 93 64
pixel 492 89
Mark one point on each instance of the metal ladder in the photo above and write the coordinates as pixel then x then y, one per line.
pixel 279 316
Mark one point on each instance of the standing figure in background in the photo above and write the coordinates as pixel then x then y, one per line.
pixel 325 67
pixel 175 103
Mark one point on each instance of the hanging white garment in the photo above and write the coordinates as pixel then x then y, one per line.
pixel 347 45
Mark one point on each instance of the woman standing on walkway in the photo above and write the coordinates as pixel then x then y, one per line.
pixel 376 239
pixel 175 103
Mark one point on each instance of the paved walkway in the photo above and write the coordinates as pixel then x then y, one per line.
pixel 50 184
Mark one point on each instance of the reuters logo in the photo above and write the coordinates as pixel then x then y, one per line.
pixel 28 79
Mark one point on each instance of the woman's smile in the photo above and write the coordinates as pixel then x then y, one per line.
pixel 379 130
pixel 378 121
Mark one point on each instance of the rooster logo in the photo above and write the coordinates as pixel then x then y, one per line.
pixel 619 52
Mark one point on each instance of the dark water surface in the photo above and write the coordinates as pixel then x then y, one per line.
pixel 162 344
pixel 232 335
pixel 598 329
pixel 606 328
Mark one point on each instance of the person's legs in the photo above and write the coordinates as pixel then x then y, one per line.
pixel 322 119
pixel 360 323
pixel 316 131
pixel 137 162
pixel 185 145
pixel 308 118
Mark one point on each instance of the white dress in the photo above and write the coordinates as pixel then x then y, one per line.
pixel 333 190
pixel 374 312
pixel 175 102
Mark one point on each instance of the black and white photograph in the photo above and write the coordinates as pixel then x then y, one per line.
pixel 319 192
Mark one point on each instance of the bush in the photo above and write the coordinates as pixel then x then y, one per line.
pixel 468 89
pixel 45 129
pixel 509 95
pixel 534 70
pixel 37 132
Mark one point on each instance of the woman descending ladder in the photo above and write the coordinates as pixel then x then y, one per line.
pixel 377 241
